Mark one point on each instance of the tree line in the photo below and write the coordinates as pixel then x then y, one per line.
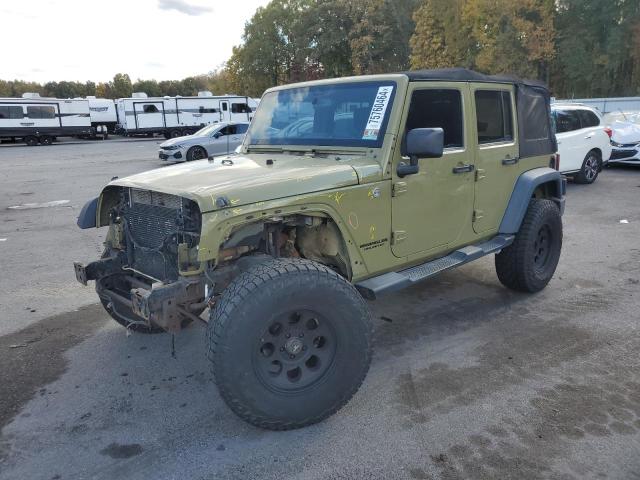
pixel 581 48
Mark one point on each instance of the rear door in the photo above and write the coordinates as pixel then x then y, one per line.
pixel 571 139
pixel 224 111
pixel 149 115
pixel 496 153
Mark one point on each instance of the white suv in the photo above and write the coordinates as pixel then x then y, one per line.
pixel 584 144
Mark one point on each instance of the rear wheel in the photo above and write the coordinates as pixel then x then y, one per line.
pixel 46 140
pixel 528 264
pixel 174 133
pixel 590 168
pixel 196 153
pixel 31 140
pixel 289 342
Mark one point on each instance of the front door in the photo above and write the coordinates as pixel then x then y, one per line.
pixel 497 161
pixel 431 209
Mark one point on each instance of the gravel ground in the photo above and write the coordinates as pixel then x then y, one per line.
pixel 469 380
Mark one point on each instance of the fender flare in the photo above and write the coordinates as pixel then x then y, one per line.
pixel 88 214
pixel 523 191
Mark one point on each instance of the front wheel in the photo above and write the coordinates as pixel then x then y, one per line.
pixel 196 153
pixel 289 342
pixel 528 264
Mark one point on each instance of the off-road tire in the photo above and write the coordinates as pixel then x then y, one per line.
pixel 591 166
pixel 196 153
pixel 244 315
pixel 528 264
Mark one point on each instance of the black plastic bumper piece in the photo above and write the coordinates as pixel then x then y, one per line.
pixel 392 281
pixel 98 269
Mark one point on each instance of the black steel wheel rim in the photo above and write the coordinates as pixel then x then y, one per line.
pixel 295 351
pixel 542 248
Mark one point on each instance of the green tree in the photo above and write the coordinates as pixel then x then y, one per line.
pixel 150 87
pixel 120 86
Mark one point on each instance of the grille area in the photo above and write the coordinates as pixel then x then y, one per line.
pixel 150 225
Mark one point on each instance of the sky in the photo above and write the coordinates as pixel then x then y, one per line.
pixel 93 40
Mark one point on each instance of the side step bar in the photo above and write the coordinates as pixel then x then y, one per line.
pixel 392 281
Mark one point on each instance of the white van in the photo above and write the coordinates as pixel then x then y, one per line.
pixel 584 143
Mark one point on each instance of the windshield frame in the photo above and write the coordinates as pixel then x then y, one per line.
pixel 326 142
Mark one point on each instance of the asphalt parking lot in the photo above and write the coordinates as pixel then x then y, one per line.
pixel 469 380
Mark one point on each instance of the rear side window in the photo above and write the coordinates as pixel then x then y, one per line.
pixel 208 110
pixel 241 128
pixel 225 106
pixel 493 116
pixel 11 112
pixel 567 121
pixel 438 108
pixel 588 118
pixel 150 109
pixel 38 111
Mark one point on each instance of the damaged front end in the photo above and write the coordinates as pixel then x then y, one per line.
pixel 149 273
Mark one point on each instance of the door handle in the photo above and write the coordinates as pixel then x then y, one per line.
pixel 510 161
pixel 463 168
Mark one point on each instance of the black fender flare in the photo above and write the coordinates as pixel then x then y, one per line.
pixel 523 192
pixel 88 214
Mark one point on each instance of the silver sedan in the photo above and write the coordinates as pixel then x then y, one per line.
pixel 215 139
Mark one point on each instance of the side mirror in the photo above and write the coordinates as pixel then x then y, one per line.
pixel 217 135
pixel 421 143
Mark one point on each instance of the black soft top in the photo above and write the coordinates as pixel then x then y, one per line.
pixel 466 75
pixel 532 99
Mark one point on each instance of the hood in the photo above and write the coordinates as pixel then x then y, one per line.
pixel 177 141
pixel 246 179
pixel 625 132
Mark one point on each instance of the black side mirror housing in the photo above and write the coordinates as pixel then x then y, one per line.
pixel 422 143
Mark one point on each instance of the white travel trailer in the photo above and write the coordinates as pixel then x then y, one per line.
pixel 36 119
pixel 103 114
pixel 178 116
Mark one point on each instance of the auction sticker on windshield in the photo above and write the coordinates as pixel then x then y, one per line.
pixel 376 116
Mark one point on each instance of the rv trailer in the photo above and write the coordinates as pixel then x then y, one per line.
pixel 178 116
pixel 36 119
pixel 104 117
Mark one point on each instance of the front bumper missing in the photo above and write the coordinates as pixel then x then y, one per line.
pixel 160 304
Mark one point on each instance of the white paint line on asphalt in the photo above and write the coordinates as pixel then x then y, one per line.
pixel 624 220
pixel 3 239
pixel 29 206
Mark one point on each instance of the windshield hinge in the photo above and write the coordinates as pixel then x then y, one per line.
pixel 398 236
pixel 399 188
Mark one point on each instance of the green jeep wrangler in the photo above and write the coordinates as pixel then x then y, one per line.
pixel 343 190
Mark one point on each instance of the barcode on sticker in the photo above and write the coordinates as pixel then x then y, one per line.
pixel 376 116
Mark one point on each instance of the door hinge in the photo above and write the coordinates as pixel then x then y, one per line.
pixel 399 188
pixel 480 173
pixel 398 236
pixel 477 215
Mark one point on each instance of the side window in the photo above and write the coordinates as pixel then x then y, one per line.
pixel 588 118
pixel 11 112
pixel 39 112
pixel 566 121
pixel 150 109
pixel 242 128
pixel 433 108
pixel 208 110
pixel 225 106
pixel 240 108
pixel 493 115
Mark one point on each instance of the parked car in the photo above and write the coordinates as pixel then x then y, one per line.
pixel 625 139
pixel 584 143
pixel 212 140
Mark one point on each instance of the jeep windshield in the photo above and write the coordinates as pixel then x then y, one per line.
pixel 343 115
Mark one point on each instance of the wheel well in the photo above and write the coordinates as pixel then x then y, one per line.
pixel 314 237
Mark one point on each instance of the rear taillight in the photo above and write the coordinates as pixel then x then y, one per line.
pixel 554 162
pixel 608 131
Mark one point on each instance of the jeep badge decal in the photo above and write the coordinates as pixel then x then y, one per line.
pixel 376 115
